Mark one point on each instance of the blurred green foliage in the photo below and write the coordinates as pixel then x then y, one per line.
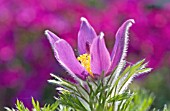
pixel 158 82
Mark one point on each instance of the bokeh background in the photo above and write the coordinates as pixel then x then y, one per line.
pixel 26 58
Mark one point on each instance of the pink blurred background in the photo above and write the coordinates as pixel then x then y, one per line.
pixel 26 58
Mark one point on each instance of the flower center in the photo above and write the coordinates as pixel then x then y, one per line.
pixel 85 62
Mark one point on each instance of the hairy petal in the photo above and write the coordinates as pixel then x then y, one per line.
pixel 100 57
pixel 51 37
pixel 66 57
pixel 120 48
pixel 86 35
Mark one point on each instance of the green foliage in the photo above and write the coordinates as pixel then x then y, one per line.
pixel 105 93
pixel 141 101
pixel 158 83
pixel 120 97
pixel 36 106
pixel 102 94
pixel 19 105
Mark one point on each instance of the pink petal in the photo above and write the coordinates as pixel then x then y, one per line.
pixel 66 57
pixel 51 37
pixel 100 57
pixel 85 36
pixel 121 44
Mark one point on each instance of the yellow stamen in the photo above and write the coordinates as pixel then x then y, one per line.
pixel 85 62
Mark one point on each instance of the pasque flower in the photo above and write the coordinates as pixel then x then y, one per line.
pixel 94 59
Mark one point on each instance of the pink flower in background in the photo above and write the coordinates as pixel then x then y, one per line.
pixel 94 58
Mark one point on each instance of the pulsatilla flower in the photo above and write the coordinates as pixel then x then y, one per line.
pixel 94 59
